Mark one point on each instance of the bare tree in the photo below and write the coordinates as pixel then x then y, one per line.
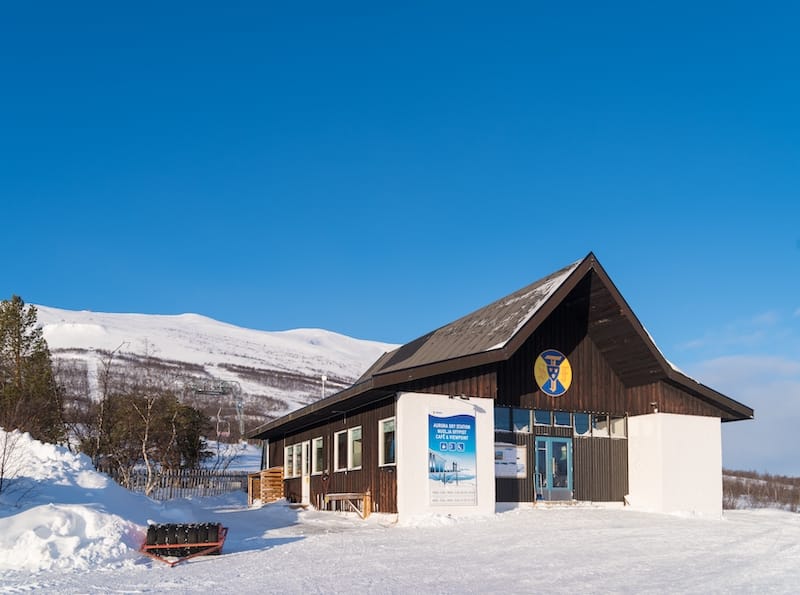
pixel 140 425
pixel 9 457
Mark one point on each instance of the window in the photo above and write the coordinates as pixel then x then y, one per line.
pixel 340 450
pixel 562 418
pixel 347 449
pixel 386 444
pixel 292 460
pixel 354 452
pixel 317 456
pixel 618 427
pixel 522 420
pixel 581 424
pixel 298 458
pixel 507 419
pixel 288 468
pixel 542 418
pixel 599 425
pixel 502 419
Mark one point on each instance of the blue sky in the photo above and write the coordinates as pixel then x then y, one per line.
pixel 380 171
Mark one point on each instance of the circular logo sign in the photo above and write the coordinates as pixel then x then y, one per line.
pixel 553 372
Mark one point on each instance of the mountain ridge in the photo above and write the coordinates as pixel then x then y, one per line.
pixel 277 371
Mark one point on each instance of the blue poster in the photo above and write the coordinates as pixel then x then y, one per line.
pixel 452 460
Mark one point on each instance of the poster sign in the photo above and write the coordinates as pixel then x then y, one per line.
pixel 509 460
pixel 452 460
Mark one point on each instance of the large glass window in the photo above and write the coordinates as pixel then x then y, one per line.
pixel 522 420
pixel 599 424
pixel 340 450
pixel 317 456
pixel 502 419
pixel 542 418
pixel 562 418
pixel 618 427
pixel 581 424
pixel 386 437
pixel 354 459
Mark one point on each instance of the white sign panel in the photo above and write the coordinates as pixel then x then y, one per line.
pixel 509 460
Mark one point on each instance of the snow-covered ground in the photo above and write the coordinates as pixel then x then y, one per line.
pixel 66 529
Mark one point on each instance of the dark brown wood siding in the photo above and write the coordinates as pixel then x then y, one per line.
pixel 668 399
pixel 600 469
pixel 382 481
pixel 473 382
pixel 596 387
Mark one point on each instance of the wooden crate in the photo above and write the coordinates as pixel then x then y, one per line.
pixel 266 485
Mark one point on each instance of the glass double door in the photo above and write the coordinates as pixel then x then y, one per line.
pixel 553 479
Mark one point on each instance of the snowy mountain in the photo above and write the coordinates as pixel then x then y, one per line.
pixel 277 371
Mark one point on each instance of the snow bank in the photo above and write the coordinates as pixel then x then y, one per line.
pixel 66 537
pixel 57 512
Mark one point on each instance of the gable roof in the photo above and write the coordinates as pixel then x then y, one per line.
pixel 495 332
pixel 487 329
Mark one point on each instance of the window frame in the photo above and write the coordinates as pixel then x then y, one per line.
pixel 600 429
pixel 538 423
pixel 615 422
pixel 350 448
pixel 317 459
pixel 588 419
pixel 336 450
pixel 529 425
pixel 506 417
pixel 349 444
pixel 288 469
pixel 296 456
pixel 381 446
pixel 560 425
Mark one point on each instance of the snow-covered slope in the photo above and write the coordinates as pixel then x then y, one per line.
pixel 277 371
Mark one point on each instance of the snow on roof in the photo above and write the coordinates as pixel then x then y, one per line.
pixel 485 329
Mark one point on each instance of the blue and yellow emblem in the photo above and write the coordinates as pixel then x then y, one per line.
pixel 553 372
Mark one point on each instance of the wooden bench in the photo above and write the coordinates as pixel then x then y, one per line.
pixel 352 499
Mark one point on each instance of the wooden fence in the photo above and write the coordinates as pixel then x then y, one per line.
pixel 184 483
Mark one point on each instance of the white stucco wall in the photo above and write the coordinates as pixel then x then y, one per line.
pixel 413 487
pixel 675 463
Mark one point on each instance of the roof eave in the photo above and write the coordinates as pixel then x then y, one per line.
pixel 738 411
pixel 262 431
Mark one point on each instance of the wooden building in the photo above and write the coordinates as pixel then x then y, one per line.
pixel 555 392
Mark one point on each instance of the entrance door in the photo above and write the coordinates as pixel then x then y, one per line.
pixel 553 468
pixel 306 473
